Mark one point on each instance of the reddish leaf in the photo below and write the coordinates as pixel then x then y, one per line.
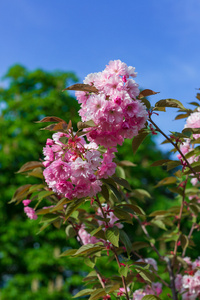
pixel 50 119
pixel 30 166
pixel 146 93
pixel 20 193
pixel 82 87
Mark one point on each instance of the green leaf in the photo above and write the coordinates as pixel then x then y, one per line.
pixel 169 103
pixel 146 275
pixel 60 204
pixel 123 215
pixel 87 124
pixel 97 294
pixel 159 223
pixel 84 292
pixel 30 166
pixel 194 208
pixel 166 181
pixel 150 297
pixel 37 172
pixel 184 241
pixel 140 194
pixel 44 194
pixel 89 262
pixel 105 192
pixel 122 182
pixel 133 209
pixel 159 213
pixel 126 163
pixel 88 249
pixel 139 245
pixel 72 207
pixel 69 252
pixel 112 234
pixel 125 240
pixel 160 162
pixel 93 232
pixel 21 193
pixel 123 271
pixel 112 185
pixel 138 140
pixel 70 231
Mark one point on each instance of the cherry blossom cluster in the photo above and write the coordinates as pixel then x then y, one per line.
pixel 114 108
pixel 189 284
pixel 73 169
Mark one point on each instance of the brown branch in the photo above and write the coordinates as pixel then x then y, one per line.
pixel 96 269
pixel 172 279
pixel 114 250
pixel 176 147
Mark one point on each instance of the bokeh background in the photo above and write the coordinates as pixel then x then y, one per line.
pixel 47 45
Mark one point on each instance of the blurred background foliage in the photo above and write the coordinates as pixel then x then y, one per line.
pixel 29 263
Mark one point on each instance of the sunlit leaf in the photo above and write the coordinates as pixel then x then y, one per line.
pixel 123 271
pixel 87 124
pixel 146 93
pixel 122 182
pixel 138 140
pixel 150 297
pixel 112 234
pixel 126 241
pixel 84 292
pixel 50 119
pixel 21 193
pixel 82 87
pixel 166 181
pixel 169 103
pixel 30 166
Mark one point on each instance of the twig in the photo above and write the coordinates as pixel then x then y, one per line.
pixel 114 250
pixel 81 242
pixel 149 238
pixel 172 279
pixel 176 147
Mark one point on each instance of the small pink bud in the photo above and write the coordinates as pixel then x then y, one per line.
pixel 124 79
pixel 26 202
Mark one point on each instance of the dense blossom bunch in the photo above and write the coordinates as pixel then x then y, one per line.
pixel 189 285
pixel 74 169
pixel 114 109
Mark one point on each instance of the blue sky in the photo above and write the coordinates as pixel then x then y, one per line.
pixel 160 38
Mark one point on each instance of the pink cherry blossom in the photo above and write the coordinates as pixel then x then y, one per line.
pixel 30 212
pixel 114 109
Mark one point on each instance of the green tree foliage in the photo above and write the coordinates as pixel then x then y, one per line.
pixel 30 268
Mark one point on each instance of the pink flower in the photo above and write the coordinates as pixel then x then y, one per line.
pixel 193 121
pixel 112 109
pixel 26 202
pixel 117 67
pixel 86 238
pixel 30 212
